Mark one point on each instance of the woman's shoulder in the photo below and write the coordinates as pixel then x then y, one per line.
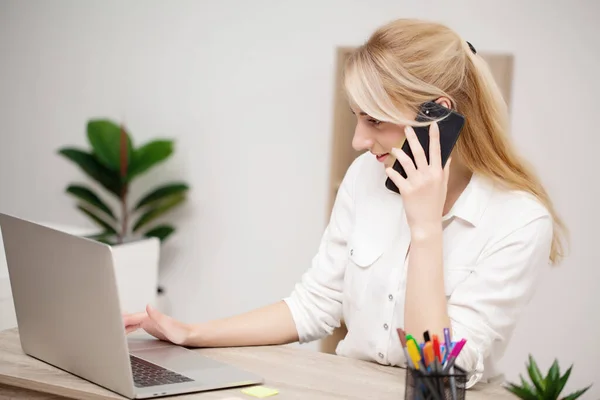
pixel 512 209
pixel 517 202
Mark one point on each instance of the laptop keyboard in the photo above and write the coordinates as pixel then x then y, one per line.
pixel 146 374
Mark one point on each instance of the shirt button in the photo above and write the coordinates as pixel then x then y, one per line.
pixel 390 297
pixel 385 326
pixel 351 252
pixel 380 355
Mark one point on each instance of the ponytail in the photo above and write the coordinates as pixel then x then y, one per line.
pixel 485 146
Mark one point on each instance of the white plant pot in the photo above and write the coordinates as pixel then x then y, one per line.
pixel 136 271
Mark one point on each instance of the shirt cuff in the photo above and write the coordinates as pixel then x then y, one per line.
pixel 471 360
pixel 296 312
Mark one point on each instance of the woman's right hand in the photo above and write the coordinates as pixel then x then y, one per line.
pixel 159 325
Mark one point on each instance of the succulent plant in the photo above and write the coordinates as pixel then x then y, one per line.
pixel 546 387
pixel 114 163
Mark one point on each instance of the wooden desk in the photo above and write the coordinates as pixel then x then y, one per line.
pixel 296 373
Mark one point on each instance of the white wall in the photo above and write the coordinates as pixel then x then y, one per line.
pixel 246 89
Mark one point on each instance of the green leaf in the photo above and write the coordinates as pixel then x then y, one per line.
pixel 553 371
pixel 102 223
pixel 562 381
pixel 90 165
pixel 161 193
pixel 87 195
pixel 526 385
pixel 158 210
pixel 576 394
pixel 551 381
pixel 105 138
pixel 161 232
pixel 520 392
pixel 535 375
pixel 149 155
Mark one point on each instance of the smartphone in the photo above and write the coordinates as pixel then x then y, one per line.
pixel 450 127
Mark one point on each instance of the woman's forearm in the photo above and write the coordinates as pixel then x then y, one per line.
pixel 426 307
pixel 269 325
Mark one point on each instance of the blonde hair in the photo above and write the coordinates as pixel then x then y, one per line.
pixel 406 63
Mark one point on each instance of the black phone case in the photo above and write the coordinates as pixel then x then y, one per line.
pixel 449 127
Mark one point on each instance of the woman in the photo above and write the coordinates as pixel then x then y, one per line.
pixel 461 246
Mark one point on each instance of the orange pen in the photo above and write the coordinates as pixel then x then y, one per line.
pixel 428 355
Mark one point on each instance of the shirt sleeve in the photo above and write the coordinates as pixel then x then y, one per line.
pixel 316 301
pixel 485 307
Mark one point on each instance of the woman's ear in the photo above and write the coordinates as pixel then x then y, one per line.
pixel 444 101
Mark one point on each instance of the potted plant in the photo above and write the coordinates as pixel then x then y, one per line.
pixel 113 164
pixel 546 387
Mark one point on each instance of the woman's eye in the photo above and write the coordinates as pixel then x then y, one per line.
pixel 374 122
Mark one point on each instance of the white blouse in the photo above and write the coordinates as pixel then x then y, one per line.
pixel 495 242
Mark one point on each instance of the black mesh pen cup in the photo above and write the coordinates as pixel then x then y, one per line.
pixel 435 385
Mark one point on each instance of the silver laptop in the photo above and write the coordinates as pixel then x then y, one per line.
pixel 68 315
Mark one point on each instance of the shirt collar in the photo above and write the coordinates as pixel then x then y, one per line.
pixel 472 202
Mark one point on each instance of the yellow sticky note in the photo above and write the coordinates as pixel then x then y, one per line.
pixel 260 391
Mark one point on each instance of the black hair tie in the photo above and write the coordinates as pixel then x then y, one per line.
pixel 472 48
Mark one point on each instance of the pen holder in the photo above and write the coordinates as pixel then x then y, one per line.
pixel 435 385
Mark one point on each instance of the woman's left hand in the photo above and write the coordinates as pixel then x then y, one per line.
pixel 424 188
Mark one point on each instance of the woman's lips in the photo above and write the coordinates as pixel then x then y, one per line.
pixel 382 157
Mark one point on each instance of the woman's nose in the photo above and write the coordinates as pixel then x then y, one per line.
pixel 361 140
